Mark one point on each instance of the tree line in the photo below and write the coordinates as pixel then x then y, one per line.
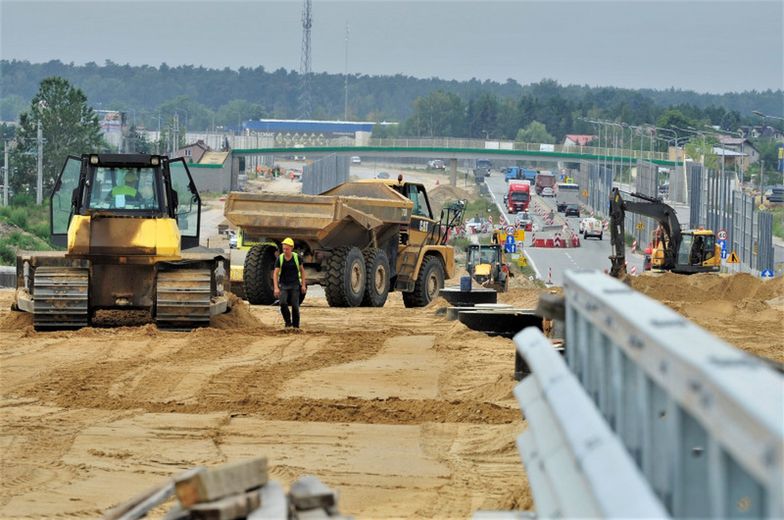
pixel 208 98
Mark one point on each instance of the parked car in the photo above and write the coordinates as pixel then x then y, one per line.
pixel 572 210
pixel 382 175
pixel 356 160
pixel 560 206
pixel 232 240
pixel 548 192
pixel 436 164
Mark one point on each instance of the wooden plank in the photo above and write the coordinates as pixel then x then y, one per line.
pixel 227 508
pixel 227 479
pixel 309 492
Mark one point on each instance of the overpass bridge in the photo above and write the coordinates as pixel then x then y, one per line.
pixel 454 149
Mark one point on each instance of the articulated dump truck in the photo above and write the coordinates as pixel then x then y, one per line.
pixel 359 240
pixel 129 224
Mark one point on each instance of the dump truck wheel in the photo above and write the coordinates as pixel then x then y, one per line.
pixel 346 277
pixel 428 283
pixel 377 278
pixel 257 274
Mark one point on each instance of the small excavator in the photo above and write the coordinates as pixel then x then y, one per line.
pixel 673 249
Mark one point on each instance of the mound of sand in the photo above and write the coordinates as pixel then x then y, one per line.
pixel 741 309
pixel 442 194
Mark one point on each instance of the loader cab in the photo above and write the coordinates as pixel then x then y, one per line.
pixel 125 186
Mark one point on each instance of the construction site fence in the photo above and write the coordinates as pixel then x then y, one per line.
pixel 324 174
pixel 649 416
pixel 717 202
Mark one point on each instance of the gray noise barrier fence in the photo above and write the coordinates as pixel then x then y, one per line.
pixel 324 174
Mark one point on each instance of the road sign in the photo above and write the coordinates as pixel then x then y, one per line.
pixel 724 254
pixel 722 235
pixel 723 245
pixel 767 273
pixel 640 226
pixel 510 247
pixel 733 259
pixel 585 193
pixel 519 235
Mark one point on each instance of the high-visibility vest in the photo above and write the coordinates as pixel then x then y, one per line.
pixel 296 262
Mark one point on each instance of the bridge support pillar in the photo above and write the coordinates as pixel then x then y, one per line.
pixel 453 172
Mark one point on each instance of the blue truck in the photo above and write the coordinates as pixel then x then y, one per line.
pixel 529 175
pixel 512 173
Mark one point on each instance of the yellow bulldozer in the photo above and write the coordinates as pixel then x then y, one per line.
pixel 360 240
pixel 127 222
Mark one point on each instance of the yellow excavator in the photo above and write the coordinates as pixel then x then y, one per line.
pixel 127 222
pixel 677 250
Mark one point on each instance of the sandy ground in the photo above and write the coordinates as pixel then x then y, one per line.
pixel 407 414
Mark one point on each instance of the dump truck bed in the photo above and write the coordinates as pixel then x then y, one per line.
pixel 371 206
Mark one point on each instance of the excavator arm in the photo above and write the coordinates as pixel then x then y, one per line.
pixel 648 207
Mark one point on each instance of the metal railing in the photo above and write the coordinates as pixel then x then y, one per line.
pixel 702 422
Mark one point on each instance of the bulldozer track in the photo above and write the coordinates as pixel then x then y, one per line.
pixel 183 299
pixel 61 296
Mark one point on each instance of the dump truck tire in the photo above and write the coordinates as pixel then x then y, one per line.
pixel 377 278
pixel 428 283
pixel 346 277
pixel 257 274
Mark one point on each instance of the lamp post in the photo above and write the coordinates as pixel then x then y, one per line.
pixel 39 189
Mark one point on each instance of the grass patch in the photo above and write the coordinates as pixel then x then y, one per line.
pixel 778 222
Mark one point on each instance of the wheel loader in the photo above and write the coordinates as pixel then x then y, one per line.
pixel 487 265
pixel 127 222
pixel 358 240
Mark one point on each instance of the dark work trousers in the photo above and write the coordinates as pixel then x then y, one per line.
pixel 289 295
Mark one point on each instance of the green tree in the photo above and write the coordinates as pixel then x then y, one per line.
pixel 70 127
pixel 700 148
pixel 439 114
pixel 535 132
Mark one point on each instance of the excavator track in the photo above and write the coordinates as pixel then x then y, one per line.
pixel 61 298
pixel 183 299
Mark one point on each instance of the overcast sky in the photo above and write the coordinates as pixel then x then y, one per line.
pixel 703 45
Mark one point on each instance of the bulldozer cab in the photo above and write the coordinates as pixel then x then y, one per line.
pixel 126 185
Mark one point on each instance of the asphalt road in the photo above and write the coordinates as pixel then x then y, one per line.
pixel 592 253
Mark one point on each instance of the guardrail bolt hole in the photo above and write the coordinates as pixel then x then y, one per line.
pixel 696 451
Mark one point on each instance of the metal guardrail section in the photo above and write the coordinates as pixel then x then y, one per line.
pixel 702 420
pixel 576 466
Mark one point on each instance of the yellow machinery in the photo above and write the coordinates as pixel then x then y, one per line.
pixel 487 265
pixel 680 251
pixel 124 220
pixel 359 240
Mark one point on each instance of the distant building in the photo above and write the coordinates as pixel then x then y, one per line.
pixel 114 128
pixel 578 139
pixel 192 152
pixel 290 132
pixel 743 146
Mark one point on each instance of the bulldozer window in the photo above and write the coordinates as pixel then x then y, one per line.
pixel 124 188
pixel 62 197
pixel 709 247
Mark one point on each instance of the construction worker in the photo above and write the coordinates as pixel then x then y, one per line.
pixel 126 192
pixel 289 280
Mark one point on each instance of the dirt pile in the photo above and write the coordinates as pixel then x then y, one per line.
pixel 741 309
pixel 442 194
